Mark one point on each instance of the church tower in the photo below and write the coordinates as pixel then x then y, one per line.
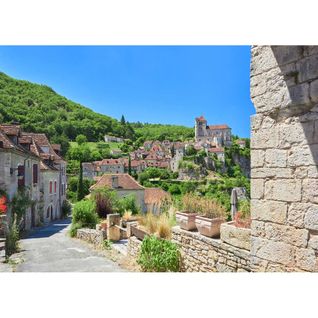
pixel 200 128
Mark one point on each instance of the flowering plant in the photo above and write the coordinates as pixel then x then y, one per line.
pixel 3 204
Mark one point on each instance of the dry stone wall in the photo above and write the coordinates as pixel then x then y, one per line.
pixel 95 237
pixel 284 157
pixel 204 254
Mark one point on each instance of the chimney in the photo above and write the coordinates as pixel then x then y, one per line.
pixel 115 182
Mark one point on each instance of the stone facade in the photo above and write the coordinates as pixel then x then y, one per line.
pixel 284 158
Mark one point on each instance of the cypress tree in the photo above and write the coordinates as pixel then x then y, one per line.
pixel 80 185
pixel 129 165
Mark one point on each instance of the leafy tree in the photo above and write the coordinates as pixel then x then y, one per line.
pixel 81 139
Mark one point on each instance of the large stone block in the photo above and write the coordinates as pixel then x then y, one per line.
pixel 296 133
pixel 308 68
pixel 296 214
pixel 256 121
pixel 278 173
pixel 257 158
pixel 287 234
pixel 279 252
pixel 272 211
pixel 306 155
pixel 264 138
pixel 287 54
pixel 313 91
pixel 239 237
pixel 257 188
pixel 283 190
pixel 306 259
pixel 258 228
pixel 311 218
pixel 313 242
pixel 263 59
pixel 276 158
pixel 310 190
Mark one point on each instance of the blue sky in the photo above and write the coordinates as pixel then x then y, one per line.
pixel 155 84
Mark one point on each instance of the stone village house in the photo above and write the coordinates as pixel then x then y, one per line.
pixel 28 160
pixel 148 199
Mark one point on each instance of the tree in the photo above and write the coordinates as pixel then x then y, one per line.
pixel 81 139
pixel 122 120
pixel 129 165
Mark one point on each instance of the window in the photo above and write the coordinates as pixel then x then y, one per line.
pixel 51 186
pixel 35 173
pixel 21 180
pixel 54 186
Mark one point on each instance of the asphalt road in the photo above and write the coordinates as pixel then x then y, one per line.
pixel 50 249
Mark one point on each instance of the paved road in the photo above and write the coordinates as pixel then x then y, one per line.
pixel 50 249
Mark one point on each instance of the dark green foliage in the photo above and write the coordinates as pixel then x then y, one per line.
pixel 162 132
pixel 66 209
pixel 84 212
pixel 81 139
pixel 39 109
pixel 12 239
pixel 158 255
pixel 80 185
pixel 74 228
pixel 128 203
pixel 174 189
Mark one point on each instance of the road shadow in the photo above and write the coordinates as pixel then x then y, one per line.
pixel 49 230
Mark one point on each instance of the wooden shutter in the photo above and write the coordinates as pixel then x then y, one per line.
pixel 35 173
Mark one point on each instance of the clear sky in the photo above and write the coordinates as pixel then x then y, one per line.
pixel 155 84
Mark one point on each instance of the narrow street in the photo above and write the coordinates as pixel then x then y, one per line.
pixel 50 249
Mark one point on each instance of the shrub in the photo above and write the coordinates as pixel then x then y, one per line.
pixel 164 227
pixel 158 255
pixel 107 244
pixel 12 239
pixel 66 208
pixel 128 203
pixel 204 206
pixel 84 212
pixel 174 189
pixel 105 201
pixel 74 228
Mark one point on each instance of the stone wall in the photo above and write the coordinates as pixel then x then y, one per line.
pixel 203 254
pixel 95 237
pixel 133 247
pixel 284 157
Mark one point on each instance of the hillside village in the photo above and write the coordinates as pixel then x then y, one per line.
pixel 158 198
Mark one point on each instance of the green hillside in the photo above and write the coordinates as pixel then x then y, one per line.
pixel 38 108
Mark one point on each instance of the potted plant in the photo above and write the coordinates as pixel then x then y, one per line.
pixel 237 232
pixel 211 216
pixel 186 217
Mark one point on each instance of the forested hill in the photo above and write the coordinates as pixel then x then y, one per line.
pixel 38 108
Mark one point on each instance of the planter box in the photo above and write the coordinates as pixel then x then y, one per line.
pixel 139 233
pixel 236 236
pixel 209 227
pixel 186 221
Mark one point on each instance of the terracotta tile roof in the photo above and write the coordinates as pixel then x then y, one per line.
pixel 42 141
pixel 214 150
pixel 125 182
pixel 56 147
pixel 25 140
pixel 11 130
pixel 224 126
pixel 155 195
pixel 6 142
pixel 110 162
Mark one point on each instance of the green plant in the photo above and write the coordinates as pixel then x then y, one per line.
pixel 107 244
pixel 164 227
pixel 66 209
pixel 74 228
pixel 85 212
pixel 12 239
pixel 128 203
pixel 158 255
pixel 106 202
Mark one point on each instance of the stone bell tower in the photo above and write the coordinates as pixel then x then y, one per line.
pixel 200 128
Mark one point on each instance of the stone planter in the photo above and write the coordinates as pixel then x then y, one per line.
pixel 208 227
pixel 186 220
pixel 236 236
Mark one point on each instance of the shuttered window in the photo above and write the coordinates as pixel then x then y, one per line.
pixel 51 186
pixel 21 179
pixel 35 173
pixel 54 186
